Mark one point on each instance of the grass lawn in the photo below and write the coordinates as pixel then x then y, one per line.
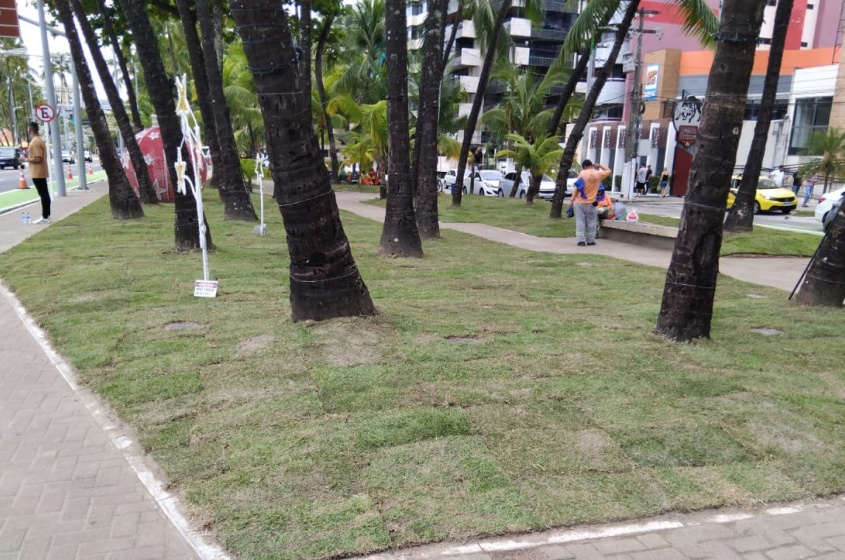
pixel 534 219
pixel 498 390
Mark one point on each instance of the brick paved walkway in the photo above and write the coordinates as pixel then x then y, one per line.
pixel 66 490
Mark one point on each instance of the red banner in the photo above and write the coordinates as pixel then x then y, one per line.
pixel 9 19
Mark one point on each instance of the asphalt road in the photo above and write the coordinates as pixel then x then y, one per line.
pixel 775 220
pixel 9 177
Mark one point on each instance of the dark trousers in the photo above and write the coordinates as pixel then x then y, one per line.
pixel 44 193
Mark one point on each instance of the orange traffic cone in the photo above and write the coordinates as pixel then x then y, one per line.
pixel 69 171
pixel 90 169
pixel 22 181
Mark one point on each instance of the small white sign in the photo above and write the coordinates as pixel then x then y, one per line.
pixel 205 288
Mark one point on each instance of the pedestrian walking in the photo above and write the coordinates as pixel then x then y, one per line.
pixel 777 176
pixel 641 180
pixel 664 183
pixel 809 186
pixel 648 173
pixel 583 201
pixel 796 181
pixel 38 170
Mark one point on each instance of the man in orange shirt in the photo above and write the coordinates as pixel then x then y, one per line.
pixel 37 160
pixel 584 201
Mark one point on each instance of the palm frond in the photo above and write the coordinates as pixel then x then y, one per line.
pixel 699 20
pixel 588 23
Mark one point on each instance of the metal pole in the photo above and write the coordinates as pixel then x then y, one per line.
pixel 632 140
pixel 51 99
pixel 77 123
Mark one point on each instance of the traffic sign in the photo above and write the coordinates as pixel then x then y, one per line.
pixel 45 113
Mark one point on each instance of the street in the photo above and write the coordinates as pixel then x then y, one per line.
pixel 777 220
pixel 9 178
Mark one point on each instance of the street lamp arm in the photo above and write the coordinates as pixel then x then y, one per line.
pixel 53 30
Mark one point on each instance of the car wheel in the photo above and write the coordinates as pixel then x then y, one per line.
pixel 520 194
pixel 787 210
pixel 464 190
pixel 756 207
pixel 500 193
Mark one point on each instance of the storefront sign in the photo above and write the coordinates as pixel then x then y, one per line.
pixel 652 73
pixel 686 118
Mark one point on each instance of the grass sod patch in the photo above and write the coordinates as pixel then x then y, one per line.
pixel 497 390
pixel 533 219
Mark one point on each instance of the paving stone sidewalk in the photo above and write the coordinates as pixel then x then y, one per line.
pixel 66 490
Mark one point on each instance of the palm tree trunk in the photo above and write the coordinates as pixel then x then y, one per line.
pixel 236 200
pixel 533 188
pixel 687 308
pixel 478 102
pixel 447 50
pixel 145 184
pixel 122 199
pixel 400 236
pixel 324 280
pixel 321 91
pixel 568 90
pixel 197 60
pixel 305 47
pixel 741 215
pixel 186 227
pixel 517 180
pixel 587 110
pixel 424 164
pixel 124 69
pixel 824 282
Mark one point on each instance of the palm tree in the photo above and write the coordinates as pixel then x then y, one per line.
pixel 236 199
pixel 122 199
pixel 121 62
pixel 830 146
pixel 145 184
pixel 687 308
pixel 424 164
pixel 699 20
pixel 400 236
pixel 322 38
pixel 364 79
pixel 186 228
pixel 241 99
pixel 539 157
pixel 324 280
pixel 741 215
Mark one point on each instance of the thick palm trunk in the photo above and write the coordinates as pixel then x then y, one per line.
pixel 305 47
pixel 197 60
pixel 517 180
pixel 587 110
pixel 124 69
pixel 741 215
pixel 124 204
pixel 824 283
pixel 687 308
pixel 186 227
pixel 533 188
pixel 324 280
pixel 424 165
pixel 568 90
pixel 145 184
pixel 478 102
pixel 236 200
pixel 400 236
pixel 321 91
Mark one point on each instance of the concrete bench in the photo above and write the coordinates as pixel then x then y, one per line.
pixel 645 235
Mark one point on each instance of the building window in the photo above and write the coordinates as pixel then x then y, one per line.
pixel 779 109
pixel 811 115
pixel 417 9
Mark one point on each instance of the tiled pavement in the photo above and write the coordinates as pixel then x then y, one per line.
pixel 71 484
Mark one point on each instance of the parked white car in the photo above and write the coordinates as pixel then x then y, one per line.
pixel 547 192
pixel 828 207
pixel 486 182
pixel 547 184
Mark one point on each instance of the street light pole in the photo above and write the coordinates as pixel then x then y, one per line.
pixel 51 99
pixel 77 123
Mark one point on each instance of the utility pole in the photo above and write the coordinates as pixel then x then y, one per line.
pixel 635 115
pixel 58 168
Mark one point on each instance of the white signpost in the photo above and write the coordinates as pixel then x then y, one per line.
pixel 191 138
pixel 262 162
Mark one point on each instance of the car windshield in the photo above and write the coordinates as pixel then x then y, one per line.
pixel 491 175
pixel 6 152
pixel 767 184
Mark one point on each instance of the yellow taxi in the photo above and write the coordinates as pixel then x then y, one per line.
pixel 770 196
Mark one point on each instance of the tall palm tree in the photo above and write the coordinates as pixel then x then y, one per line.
pixel 400 236
pixel 324 280
pixel 145 183
pixel 539 157
pixel 699 21
pixel 424 163
pixel 122 199
pixel 741 215
pixel 687 307
pixel 121 62
pixel 322 38
pixel 241 99
pixel 365 77
pixel 233 192
pixel 186 228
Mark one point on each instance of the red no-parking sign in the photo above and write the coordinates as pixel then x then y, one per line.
pixel 45 113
